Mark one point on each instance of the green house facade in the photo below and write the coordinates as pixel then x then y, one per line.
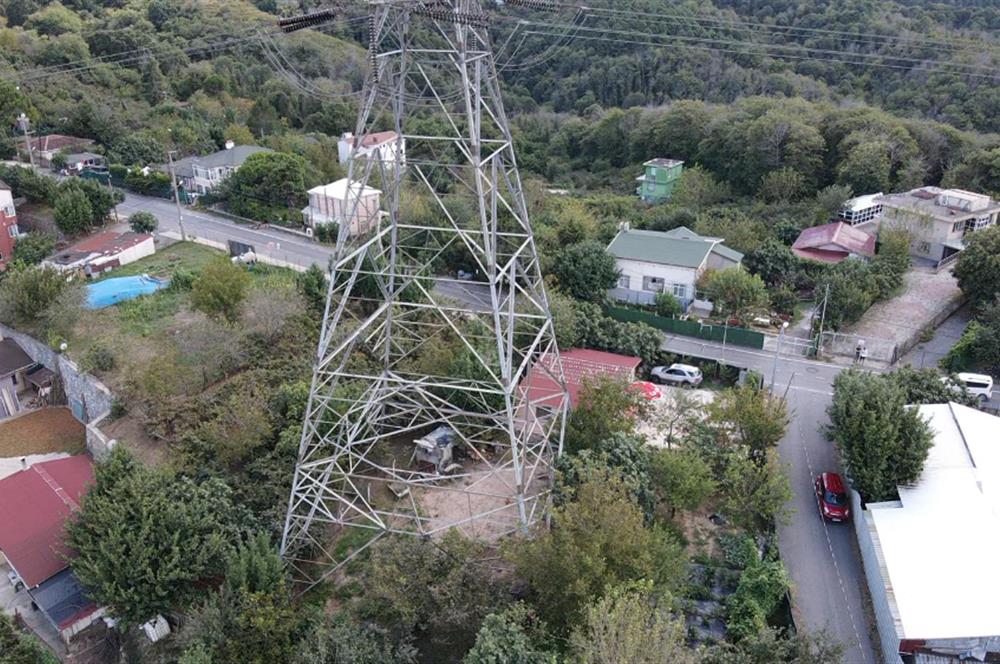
pixel 657 183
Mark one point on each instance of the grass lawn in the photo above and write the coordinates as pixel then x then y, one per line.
pixel 185 255
pixel 42 432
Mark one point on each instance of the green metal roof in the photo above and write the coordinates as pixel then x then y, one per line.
pixel 682 248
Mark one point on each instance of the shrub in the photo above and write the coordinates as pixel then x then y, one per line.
pixel 667 305
pixel 220 289
pixel 99 357
pixel 143 222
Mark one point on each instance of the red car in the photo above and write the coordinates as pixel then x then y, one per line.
pixel 832 495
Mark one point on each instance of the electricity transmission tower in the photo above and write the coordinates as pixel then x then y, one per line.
pixel 436 314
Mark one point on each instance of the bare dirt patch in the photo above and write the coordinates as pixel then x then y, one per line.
pixel 130 433
pixel 42 432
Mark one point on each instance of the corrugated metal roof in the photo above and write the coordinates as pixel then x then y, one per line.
pixel 680 247
pixel 832 243
pixel 939 541
pixel 34 505
pixel 578 365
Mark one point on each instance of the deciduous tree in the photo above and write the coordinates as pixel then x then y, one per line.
pixel 143 222
pixel 681 478
pixel 978 267
pixel 586 271
pixel 220 289
pixel 735 292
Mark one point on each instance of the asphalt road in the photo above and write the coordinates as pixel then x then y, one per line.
pixel 822 558
pixel 276 244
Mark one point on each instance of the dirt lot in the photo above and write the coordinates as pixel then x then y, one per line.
pixel 42 432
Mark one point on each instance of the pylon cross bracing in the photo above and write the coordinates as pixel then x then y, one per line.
pixel 410 342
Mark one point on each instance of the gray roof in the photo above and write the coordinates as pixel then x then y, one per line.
pixel 12 357
pixel 680 247
pixel 923 202
pixel 233 158
pixel 82 156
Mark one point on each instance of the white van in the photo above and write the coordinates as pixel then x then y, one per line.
pixel 978 385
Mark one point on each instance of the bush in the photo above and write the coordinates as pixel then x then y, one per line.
pixel 33 248
pixel 181 280
pixel 143 222
pixel 667 305
pixel 220 289
pixel 39 299
pixel 98 357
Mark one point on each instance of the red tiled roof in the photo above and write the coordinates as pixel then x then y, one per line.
pixel 34 505
pixel 376 138
pixel 578 365
pixel 832 243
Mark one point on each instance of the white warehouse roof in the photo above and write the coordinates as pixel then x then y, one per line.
pixel 863 202
pixel 939 543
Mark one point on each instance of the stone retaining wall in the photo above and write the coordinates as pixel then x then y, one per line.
pixel 88 398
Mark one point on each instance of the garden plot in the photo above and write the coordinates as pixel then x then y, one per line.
pixel 663 426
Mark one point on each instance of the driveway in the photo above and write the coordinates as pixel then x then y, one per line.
pixel 822 559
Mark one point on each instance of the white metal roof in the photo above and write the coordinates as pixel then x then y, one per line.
pixel 940 542
pixel 862 202
pixel 338 189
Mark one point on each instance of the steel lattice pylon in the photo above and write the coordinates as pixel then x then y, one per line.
pixel 456 197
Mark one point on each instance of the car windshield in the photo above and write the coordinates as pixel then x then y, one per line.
pixel 835 498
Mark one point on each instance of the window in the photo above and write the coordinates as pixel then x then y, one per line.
pixel 972 225
pixel 957 226
pixel 680 291
pixel 924 248
pixel 623 281
pixel 9 210
pixel 13 230
pixel 652 284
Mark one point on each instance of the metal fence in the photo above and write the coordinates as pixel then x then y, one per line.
pixel 845 345
pixel 688 328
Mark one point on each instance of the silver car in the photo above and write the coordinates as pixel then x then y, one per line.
pixel 677 374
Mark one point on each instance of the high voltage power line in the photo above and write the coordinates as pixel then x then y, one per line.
pixel 576 30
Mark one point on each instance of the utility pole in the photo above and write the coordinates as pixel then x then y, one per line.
pixel 23 123
pixel 822 320
pixel 177 195
pixel 777 352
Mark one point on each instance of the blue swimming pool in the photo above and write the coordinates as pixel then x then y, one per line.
pixel 112 291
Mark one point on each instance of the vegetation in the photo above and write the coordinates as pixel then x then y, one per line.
pixel 33 248
pixel 132 556
pixel 884 444
pixel 39 299
pixel 143 222
pixel 978 268
pixel 220 289
pixel 19 648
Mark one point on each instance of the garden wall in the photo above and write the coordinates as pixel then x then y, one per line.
pixel 88 398
pixel 736 336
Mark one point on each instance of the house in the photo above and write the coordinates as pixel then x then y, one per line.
pixel 652 262
pixel 832 243
pixel 861 209
pixel 541 393
pixel 938 219
pixel 201 174
pixel 930 557
pixel 77 162
pixel 15 365
pixel 9 230
pixel 332 204
pixel 387 146
pixel 44 148
pixel 34 505
pixel 657 183
pixel 103 251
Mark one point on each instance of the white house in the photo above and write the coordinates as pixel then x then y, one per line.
pixel 387 146
pixel 202 174
pixel 334 202
pixel 930 557
pixel 651 262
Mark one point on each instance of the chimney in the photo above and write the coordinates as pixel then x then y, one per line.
pixel 230 145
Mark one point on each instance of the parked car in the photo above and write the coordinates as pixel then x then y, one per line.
pixel 677 374
pixel 832 495
pixel 978 385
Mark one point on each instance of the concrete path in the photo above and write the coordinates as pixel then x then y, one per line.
pixel 11 465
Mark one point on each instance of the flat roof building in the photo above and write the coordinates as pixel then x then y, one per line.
pixel 930 557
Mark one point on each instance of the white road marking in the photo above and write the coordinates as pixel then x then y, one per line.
pixel 829 542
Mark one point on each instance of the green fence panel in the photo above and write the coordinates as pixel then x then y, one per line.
pixel 689 328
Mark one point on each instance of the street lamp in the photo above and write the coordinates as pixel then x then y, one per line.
pixel 23 123
pixel 777 352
